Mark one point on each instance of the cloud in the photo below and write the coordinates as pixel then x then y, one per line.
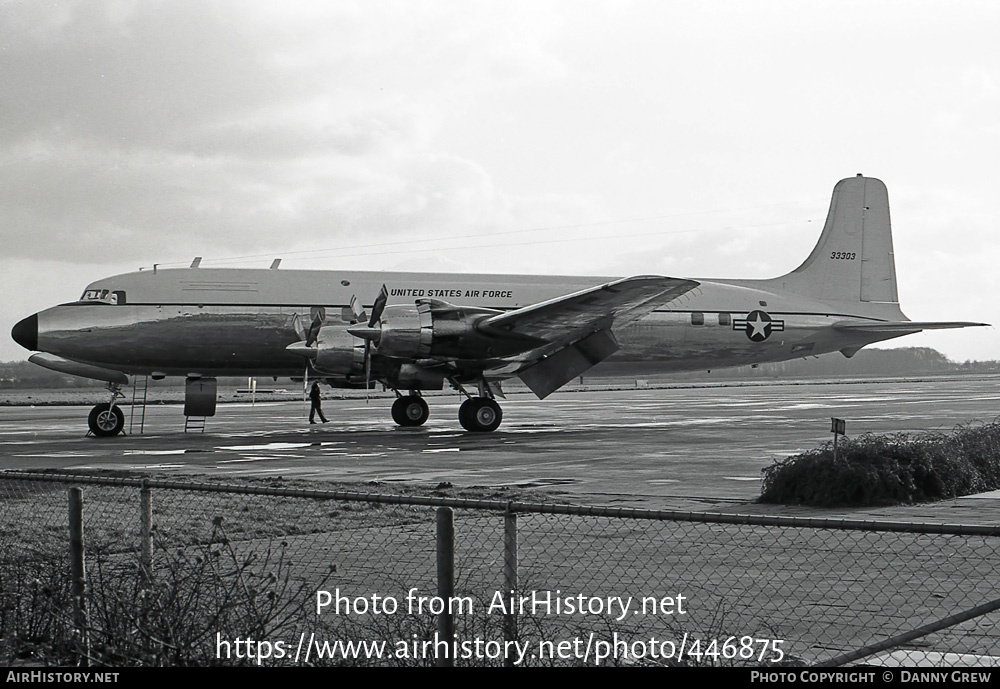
pixel 135 133
pixel 148 128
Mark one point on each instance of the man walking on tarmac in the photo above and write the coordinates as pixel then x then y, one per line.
pixel 315 407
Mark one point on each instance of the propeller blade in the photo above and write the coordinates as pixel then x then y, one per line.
pixel 380 300
pixel 368 369
pixel 313 333
pixel 359 313
pixel 299 328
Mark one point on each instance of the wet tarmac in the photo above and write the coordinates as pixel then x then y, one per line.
pixel 654 448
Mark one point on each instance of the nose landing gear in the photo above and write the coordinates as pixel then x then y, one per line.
pixel 107 419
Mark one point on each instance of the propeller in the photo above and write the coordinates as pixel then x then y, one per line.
pixel 377 308
pixel 307 346
pixel 370 333
pixel 357 312
pixel 368 369
pixel 297 348
pixel 319 315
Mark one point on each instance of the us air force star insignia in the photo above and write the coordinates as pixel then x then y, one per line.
pixel 758 325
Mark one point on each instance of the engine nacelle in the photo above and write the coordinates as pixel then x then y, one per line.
pixel 338 353
pixel 433 328
pixel 406 331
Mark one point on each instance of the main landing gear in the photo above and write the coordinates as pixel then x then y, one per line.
pixel 480 415
pixel 410 410
pixel 476 414
pixel 107 419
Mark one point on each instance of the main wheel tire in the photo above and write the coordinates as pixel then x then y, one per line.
pixel 105 420
pixel 466 412
pixel 480 415
pixel 410 411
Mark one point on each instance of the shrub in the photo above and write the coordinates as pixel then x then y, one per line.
pixel 888 469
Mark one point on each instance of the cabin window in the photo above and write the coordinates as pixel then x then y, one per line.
pixel 697 318
pixel 725 319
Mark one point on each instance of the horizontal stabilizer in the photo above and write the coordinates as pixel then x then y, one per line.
pixel 74 368
pixel 901 327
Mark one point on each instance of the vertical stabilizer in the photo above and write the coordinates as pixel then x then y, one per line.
pixel 853 260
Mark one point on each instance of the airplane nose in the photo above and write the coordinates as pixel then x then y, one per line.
pixel 25 332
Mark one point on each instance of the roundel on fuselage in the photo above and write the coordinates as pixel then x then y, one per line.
pixel 758 325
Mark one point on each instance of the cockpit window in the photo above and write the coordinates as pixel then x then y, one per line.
pixel 103 296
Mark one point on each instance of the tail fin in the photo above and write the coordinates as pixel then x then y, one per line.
pixel 853 260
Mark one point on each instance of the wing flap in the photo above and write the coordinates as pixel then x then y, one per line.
pixel 552 372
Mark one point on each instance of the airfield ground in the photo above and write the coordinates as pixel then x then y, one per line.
pixel 688 447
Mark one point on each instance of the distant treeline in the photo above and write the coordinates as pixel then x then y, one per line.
pixel 23 375
pixel 16 375
pixel 866 363
pixel 906 361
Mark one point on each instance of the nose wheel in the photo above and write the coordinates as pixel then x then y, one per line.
pixel 480 415
pixel 106 420
pixel 410 410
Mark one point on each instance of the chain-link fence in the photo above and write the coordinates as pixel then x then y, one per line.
pixel 173 573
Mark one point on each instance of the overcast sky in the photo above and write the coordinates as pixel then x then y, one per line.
pixel 691 139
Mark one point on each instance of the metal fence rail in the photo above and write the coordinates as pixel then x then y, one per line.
pixel 236 573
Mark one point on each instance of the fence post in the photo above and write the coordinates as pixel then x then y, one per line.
pixel 446 581
pixel 146 532
pixel 78 582
pixel 510 580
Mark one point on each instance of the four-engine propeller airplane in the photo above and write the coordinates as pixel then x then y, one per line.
pixel 472 331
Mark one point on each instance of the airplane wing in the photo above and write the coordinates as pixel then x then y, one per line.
pixel 620 302
pixel 574 331
pixel 901 327
pixel 75 368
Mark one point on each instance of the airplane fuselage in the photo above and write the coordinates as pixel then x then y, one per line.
pixel 214 322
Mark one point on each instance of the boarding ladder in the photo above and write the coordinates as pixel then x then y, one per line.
pixel 194 424
pixel 138 400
